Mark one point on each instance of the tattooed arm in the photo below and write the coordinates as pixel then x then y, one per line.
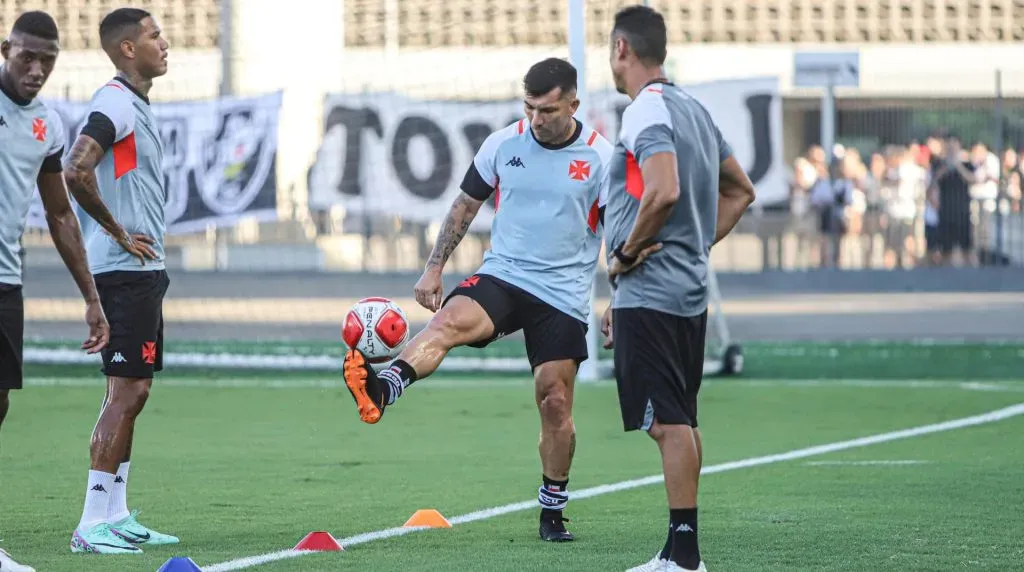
pixel 455 226
pixel 429 287
pixel 80 174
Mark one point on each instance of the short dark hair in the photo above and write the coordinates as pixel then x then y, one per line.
pixel 37 23
pixel 117 23
pixel 644 30
pixel 548 74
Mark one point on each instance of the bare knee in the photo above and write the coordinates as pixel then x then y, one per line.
pixel 129 395
pixel 554 393
pixel 663 433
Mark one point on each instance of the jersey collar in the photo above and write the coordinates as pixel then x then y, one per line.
pixel 137 93
pixel 572 139
pixel 661 80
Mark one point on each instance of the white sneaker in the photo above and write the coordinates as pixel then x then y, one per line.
pixel 655 564
pixel 673 567
pixel 7 564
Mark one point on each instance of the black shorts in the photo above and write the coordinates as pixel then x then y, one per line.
pixel 551 334
pixel 12 332
pixel 659 364
pixel 133 302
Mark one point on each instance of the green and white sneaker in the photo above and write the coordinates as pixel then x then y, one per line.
pixel 130 530
pixel 100 539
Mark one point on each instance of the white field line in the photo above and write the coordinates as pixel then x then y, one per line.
pixel 448 383
pixel 879 463
pixel 990 417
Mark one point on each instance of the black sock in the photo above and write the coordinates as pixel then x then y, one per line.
pixel 405 371
pixel 666 551
pixel 396 378
pixel 685 552
pixel 553 496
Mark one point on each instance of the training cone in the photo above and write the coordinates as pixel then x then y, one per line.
pixel 319 541
pixel 179 564
pixel 428 518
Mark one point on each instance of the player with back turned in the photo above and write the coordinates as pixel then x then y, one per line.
pixel 546 173
pixel 115 173
pixel 31 145
pixel 674 182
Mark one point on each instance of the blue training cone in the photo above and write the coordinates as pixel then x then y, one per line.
pixel 179 564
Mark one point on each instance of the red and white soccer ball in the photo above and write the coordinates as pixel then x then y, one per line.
pixel 378 328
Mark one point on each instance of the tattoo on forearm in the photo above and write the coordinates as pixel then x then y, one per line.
pixel 82 183
pixel 455 227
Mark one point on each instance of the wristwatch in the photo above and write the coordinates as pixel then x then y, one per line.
pixel 623 257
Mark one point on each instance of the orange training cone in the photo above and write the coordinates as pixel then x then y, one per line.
pixel 319 541
pixel 428 518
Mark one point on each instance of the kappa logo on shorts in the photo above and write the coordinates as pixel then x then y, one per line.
pixel 149 352
pixel 118 358
pixel 469 282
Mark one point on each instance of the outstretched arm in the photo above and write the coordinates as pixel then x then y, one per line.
pixel 456 225
pixel 67 237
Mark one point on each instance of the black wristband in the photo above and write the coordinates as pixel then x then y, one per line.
pixel 623 257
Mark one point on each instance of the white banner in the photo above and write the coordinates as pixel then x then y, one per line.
pixel 391 155
pixel 219 159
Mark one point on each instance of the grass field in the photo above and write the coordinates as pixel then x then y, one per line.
pixel 244 464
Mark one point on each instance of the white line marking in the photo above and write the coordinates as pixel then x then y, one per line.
pixel 470 383
pixel 990 417
pixel 896 463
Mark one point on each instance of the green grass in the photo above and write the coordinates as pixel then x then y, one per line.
pixel 826 360
pixel 244 471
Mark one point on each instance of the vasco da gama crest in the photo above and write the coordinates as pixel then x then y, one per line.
pixel 237 159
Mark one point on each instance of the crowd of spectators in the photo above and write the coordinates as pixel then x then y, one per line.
pixel 931 203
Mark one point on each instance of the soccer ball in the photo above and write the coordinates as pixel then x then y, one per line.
pixel 378 328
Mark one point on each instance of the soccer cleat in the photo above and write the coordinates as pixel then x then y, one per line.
pixel 656 564
pixel 365 387
pixel 129 529
pixel 100 539
pixel 552 527
pixel 7 564
pixel 673 567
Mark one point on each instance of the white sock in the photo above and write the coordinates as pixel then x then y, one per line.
pixel 391 377
pixel 97 496
pixel 117 508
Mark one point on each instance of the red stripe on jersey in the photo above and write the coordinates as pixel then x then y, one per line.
pixel 497 196
pixel 634 177
pixel 125 157
pixel 654 89
pixel 594 217
pixel 593 137
pixel 112 84
pixel 522 123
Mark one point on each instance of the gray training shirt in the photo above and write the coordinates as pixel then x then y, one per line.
pixel 130 176
pixel 674 280
pixel 31 140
